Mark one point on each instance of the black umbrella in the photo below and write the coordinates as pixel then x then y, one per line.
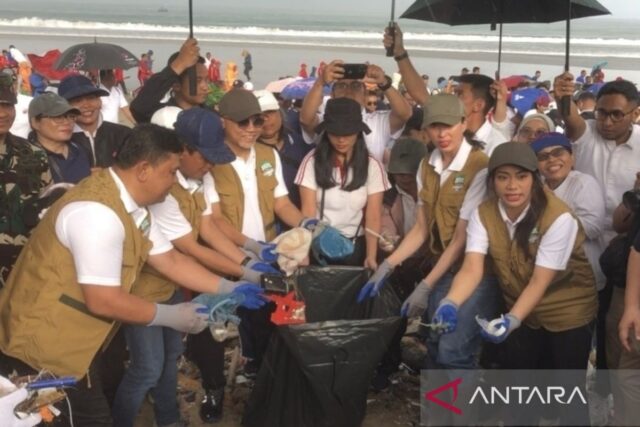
pixel 474 12
pixel 101 56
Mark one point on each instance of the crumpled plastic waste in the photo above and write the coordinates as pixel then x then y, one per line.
pixel 289 311
pixel 292 248
pixel 221 308
pixel 491 327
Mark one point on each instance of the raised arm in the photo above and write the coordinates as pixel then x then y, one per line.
pixel 563 85
pixel 308 113
pixel 410 77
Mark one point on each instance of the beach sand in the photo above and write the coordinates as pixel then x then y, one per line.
pixel 272 61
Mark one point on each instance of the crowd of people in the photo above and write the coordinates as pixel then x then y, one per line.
pixel 511 231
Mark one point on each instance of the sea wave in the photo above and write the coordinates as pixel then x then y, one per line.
pixel 134 30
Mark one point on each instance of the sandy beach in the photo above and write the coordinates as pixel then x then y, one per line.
pixel 271 61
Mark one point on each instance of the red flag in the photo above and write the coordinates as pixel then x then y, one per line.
pixel 44 65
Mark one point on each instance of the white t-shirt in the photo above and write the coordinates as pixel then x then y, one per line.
pixel 555 246
pixel 343 209
pixel 583 195
pixel 168 215
pixel 614 167
pixel 95 236
pixel 491 137
pixel 112 104
pixel 252 223
pixel 476 192
pixel 378 139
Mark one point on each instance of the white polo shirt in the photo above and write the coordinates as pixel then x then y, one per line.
pixel 112 104
pixel 378 139
pixel 613 166
pixel 95 236
pixel 555 246
pixel 477 191
pixel 343 209
pixel 491 137
pixel 252 223
pixel 168 215
pixel 583 195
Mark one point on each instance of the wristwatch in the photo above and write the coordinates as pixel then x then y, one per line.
pixel 402 56
pixel 386 85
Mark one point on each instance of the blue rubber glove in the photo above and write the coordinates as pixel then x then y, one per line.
pixel 376 282
pixel 498 329
pixel 265 251
pixel 255 269
pixel 446 316
pixel 253 295
pixel 309 223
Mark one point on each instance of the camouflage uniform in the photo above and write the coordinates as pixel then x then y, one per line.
pixel 24 173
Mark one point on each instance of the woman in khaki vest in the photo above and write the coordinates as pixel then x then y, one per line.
pixel 536 248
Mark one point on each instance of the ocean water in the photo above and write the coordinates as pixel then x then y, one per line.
pixel 290 36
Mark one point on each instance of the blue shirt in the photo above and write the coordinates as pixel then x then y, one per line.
pixel 74 168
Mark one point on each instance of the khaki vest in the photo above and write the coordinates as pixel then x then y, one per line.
pixel 229 188
pixel 153 286
pixel 570 300
pixel 442 204
pixel 44 319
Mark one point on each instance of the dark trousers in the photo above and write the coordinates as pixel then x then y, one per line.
pixel 208 355
pixel 255 331
pixel 91 398
pixel 602 386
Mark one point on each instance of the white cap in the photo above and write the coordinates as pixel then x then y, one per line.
pixel 166 117
pixel 267 101
pixel 248 86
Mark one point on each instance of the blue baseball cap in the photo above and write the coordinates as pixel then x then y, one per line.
pixel 75 85
pixel 202 130
pixel 551 139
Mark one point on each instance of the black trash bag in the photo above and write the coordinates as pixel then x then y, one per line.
pixel 318 374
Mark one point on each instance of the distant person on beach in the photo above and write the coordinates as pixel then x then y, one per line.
pixel 582 78
pixel 303 71
pixel 248 64
pixel 144 70
pixel 207 59
pixel 100 138
pixel 150 60
pixel 313 71
pixel 464 71
pixel 119 76
pixel 476 70
pixel 214 70
pixel 477 92
pixel 230 75
pixel 385 126
pixel 536 76
pixel 115 103
pixel 174 79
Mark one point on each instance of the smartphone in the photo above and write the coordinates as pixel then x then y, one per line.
pixel 354 71
pixel 274 283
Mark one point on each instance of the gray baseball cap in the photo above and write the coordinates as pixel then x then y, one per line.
pixel 406 156
pixel 239 104
pixel 515 154
pixel 443 108
pixel 50 104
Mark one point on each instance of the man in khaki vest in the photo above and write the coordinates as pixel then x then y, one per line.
pixel 72 283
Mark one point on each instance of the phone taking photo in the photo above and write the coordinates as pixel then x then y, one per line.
pixel 354 71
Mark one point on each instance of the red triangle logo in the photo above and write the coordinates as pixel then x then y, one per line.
pixel 431 395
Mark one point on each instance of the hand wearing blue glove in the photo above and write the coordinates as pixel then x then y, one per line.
pixel 253 295
pixel 497 330
pixel 309 223
pixel 265 251
pixel 376 282
pixel 446 316
pixel 255 269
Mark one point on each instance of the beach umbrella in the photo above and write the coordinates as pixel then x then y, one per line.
pixel 300 88
pixel 276 86
pixel 525 99
pixel 494 12
pixel 95 56
pixel 514 81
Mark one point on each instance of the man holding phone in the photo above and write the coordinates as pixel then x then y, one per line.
pixel 349 82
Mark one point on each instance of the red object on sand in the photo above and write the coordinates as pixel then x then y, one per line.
pixel 289 311
pixel 44 65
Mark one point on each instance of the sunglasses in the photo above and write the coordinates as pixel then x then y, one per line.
pixel 354 85
pixel 530 133
pixel 372 104
pixel 616 115
pixel 256 120
pixel 556 153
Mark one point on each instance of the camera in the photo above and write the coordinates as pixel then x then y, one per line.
pixel 354 71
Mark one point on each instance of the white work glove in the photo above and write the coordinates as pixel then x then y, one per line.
pixel 184 317
pixel 9 401
pixel 417 302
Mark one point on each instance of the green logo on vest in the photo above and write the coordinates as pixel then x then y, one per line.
pixel 458 182
pixel 145 225
pixel 535 234
pixel 267 168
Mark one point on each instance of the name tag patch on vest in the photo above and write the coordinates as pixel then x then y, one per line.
pixel 458 182
pixel 267 168
pixel 535 235
pixel 145 225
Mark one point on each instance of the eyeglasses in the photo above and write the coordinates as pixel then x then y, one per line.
pixel 61 119
pixel 372 103
pixel 256 120
pixel 615 115
pixel 352 85
pixel 556 153
pixel 530 133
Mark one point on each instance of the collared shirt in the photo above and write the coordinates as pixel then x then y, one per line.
pixel 252 222
pixel 613 166
pixel 112 104
pixel 555 246
pixel 73 168
pixel 95 236
pixel 476 192
pixel 103 145
pixel 91 137
pixel 583 195
pixel 491 137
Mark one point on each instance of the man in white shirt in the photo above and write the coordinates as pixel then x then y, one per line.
pixel 385 126
pixel 607 147
pixel 74 278
pixel 114 103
